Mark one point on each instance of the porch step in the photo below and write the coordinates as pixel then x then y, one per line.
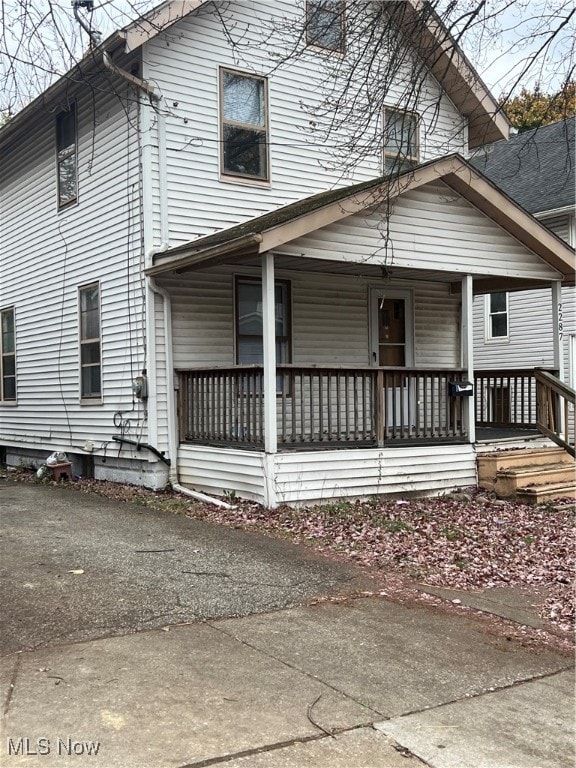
pixel 510 482
pixel 490 464
pixel 537 494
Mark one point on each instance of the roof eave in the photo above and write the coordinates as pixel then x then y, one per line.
pixel 90 61
pixel 156 21
pixel 486 121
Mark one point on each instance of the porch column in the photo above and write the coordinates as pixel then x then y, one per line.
pixel 269 358
pixel 558 357
pixel 469 411
pixel 557 323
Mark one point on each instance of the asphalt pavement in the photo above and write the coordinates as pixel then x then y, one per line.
pixel 132 638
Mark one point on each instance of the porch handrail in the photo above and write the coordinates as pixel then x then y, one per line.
pixel 553 400
pixel 506 397
pixel 320 404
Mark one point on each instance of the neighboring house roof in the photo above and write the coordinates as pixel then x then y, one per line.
pixel 289 222
pixel 534 168
pixel 422 27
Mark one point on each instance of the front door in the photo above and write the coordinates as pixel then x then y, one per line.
pixel 391 346
pixel 391 328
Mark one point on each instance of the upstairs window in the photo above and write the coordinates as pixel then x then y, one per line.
pixel 401 151
pixel 325 24
pixel 497 315
pixel 90 362
pixel 7 355
pixel 66 156
pixel 244 125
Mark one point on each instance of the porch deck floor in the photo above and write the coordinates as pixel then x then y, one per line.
pixel 489 434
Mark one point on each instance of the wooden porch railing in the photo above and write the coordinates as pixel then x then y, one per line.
pixel 505 397
pixel 320 405
pixel 553 401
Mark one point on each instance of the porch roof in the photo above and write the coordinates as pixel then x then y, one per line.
pixel 283 225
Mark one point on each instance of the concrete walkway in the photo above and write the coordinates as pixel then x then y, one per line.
pixel 362 683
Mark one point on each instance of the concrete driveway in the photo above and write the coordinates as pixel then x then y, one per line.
pixel 99 668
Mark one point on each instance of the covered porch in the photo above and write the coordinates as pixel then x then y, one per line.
pixel 325 349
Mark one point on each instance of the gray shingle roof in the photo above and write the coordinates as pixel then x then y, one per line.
pixel 534 168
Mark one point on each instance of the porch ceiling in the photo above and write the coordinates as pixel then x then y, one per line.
pixel 289 263
pixel 354 269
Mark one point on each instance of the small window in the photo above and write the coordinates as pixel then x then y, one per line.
pixel 249 339
pixel 244 125
pixel 497 315
pixel 90 360
pixel 66 156
pixel 325 24
pixel 401 151
pixel 7 356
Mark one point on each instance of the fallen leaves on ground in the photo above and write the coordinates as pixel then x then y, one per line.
pixel 462 541
pixel 465 540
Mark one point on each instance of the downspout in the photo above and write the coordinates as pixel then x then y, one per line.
pixel 172 430
pixel 136 82
pixel 145 87
pixel 167 311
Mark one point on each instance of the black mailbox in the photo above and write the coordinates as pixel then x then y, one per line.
pixel 460 388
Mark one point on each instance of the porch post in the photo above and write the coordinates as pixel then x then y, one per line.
pixel 469 410
pixel 558 357
pixel 269 359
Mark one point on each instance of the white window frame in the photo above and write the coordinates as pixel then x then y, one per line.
pixel 4 355
pixel 398 161
pixel 64 154
pixel 249 279
pixel 338 10
pixel 83 342
pixel 489 314
pixel 231 175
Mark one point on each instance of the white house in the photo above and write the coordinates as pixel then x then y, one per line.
pixel 205 281
pixel 514 330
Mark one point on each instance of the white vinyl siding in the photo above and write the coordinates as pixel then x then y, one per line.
pixel 301 164
pixel 330 320
pixel 315 476
pixel 530 330
pixel 430 228
pixel 98 239
pixel 530 341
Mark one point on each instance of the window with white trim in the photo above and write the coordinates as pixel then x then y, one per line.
pixel 401 143
pixel 90 357
pixel 325 24
pixel 497 315
pixel 248 321
pixel 244 125
pixel 7 355
pixel 66 156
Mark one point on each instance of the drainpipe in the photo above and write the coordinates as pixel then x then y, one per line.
pixel 172 430
pixel 136 82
